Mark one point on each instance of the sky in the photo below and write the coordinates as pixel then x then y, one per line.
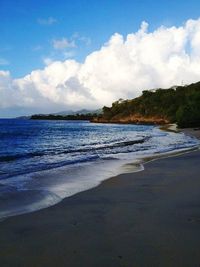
pixel 63 55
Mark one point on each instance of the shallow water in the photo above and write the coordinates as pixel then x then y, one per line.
pixel 42 162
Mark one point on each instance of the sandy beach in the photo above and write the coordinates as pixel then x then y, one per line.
pixel 148 218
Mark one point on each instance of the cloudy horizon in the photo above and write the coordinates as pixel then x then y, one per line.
pixel 122 67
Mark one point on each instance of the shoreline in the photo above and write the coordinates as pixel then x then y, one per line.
pixel 121 167
pixel 126 168
pixel 146 218
pixel 133 166
pixel 195 132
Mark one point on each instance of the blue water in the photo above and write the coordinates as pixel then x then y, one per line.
pixel 28 146
pixel 41 162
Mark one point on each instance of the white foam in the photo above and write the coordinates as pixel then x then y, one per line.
pixel 56 184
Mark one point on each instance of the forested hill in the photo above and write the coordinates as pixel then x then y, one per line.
pixel 180 104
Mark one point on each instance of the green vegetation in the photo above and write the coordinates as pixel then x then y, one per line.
pixel 180 104
pixel 88 116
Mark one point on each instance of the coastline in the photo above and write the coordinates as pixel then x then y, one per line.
pixel 149 218
pixel 192 132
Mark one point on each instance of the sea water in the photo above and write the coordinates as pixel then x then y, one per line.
pixel 42 162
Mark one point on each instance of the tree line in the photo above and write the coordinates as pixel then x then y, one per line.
pixel 180 104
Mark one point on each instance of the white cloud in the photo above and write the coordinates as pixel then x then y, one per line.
pixel 47 21
pixel 61 44
pixel 47 61
pixel 122 68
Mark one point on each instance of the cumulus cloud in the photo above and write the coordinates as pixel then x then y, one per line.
pixel 46 21
pixel 47 60
pixel 122 68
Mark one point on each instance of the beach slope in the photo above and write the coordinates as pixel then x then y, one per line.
pixel 149 218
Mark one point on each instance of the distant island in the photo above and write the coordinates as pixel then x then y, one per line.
pixel 178 104
pixel 83 114
pixel 88 117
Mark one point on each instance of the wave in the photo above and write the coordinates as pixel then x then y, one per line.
pixel 44 166
pixel 13 157
pixel 20 202
pixel 59 162
pixel 20 156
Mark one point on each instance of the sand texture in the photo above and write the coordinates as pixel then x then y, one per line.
pixel 149 218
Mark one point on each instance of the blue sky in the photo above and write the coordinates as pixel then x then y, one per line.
pixel 28 28
pixel 44 44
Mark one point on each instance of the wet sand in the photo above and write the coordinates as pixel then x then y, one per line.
pixel 149 218
pixel 192 132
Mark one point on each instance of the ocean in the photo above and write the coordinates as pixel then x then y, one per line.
pixel 42 162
